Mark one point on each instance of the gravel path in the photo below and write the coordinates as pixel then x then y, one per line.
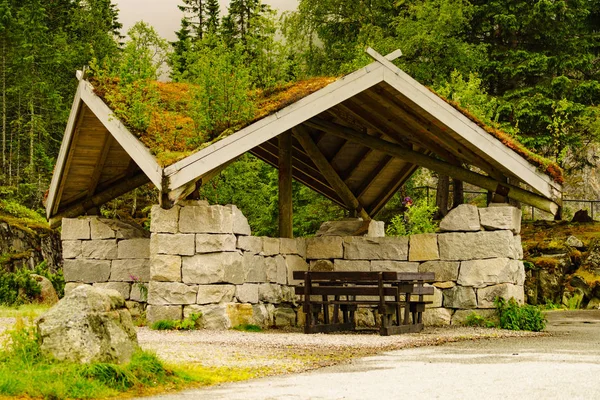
pixel 279 352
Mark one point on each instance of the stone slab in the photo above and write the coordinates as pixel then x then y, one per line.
pixel 437 317
pixel 501 218
pixel 270 293
pixel 394 266
pixel 75 229
pixel 255 268
pixel 481 273
pixel 294 263
pixel 321 265
pixel 476 245
pixel 130 270
pixel 464 218
pixel 423 247
pixel 165 268
pixel 250 244
pixel 183 244
pixel 385 248
pixel 209 294
pixel 324 247
pixel 88 271
pixel 270 246
pixel 460 297
pixel 214 268
pixel 487 295
pixel 171 293
pixel 164 221
pixel 214 243
pixel 240 223
pixel 99 249
pixel 124 288
pixel 71 249
pixel 247 293
pixel 156 313
pixel 134 248
pixel 205 219
pixel 443 270
pixel 100 230
pixel 352 265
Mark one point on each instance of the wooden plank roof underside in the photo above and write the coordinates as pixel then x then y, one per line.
pixel 100 159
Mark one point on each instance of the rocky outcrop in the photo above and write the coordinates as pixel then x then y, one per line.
pixel 88 325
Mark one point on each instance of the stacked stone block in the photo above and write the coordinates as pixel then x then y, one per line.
pixel 475 258
pixel 203 260
pixel 106 253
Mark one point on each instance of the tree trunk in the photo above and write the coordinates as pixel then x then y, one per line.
pixel 458 193
pixel 441 197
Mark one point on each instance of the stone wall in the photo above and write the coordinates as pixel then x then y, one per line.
pixel 202 259
pixel 106 253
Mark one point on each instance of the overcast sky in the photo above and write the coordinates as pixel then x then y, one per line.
pixel 166 17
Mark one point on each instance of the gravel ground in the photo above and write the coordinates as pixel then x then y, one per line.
pixel 280 351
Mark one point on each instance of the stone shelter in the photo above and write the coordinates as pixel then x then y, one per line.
pixel 356 140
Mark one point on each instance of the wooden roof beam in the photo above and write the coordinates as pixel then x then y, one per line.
pixel 303 136
pixel 442 167
pixel 99 199
pixel 101 162
pixel 387 194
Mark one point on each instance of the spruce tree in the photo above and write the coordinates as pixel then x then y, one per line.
pixel 195 14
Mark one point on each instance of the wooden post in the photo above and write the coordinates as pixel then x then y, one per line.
pixel 286 226
pixel 458 193
pixel 441 196
pixel 439 166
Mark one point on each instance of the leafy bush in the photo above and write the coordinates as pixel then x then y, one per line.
pixel 17 210
pixel 190 323
pixel 17 287
pixel 418 218
pixel 475 319
pixel 57 278
pixel 247 328
pixel 519 317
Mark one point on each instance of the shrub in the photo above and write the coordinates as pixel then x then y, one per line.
pixel 57 278
pixel 519 317
pixel 190 323
pixel 475 319
pixel 418 218
pixel 247 328
pixel 17 287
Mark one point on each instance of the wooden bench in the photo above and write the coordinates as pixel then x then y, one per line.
pixel 395 294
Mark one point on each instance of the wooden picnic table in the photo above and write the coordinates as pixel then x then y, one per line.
pixel 398 296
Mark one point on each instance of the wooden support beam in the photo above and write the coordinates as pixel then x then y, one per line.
pixel 286 225
pixel 95 179
pixel 436 165
pixel 97 200
pixel 328 172
pixel 168 200
pixel 387 194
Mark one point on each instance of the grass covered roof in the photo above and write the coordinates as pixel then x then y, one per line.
pixel 171 133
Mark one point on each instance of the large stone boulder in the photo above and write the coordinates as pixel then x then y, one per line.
pixel 352 227
pixel 88 325
pixel 47 294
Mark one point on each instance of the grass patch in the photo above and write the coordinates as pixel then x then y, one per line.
pixel 247 328
pixel 190 323
pixel 25 311
pixel 516 317
pixel 26 372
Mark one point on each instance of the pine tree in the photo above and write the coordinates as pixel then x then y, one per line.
pixel 195 14
pixel 212 16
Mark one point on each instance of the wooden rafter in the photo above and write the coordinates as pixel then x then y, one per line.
pixel 422 160
pixel 303 136
pixel 99 199
pixel 101 161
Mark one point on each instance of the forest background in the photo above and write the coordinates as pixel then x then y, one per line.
pixel 531 68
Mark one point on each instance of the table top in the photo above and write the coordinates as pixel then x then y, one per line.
pixel 348 276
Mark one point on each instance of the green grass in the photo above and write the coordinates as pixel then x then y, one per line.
pixel 25 311
pixel 26 372
pixel 247 328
